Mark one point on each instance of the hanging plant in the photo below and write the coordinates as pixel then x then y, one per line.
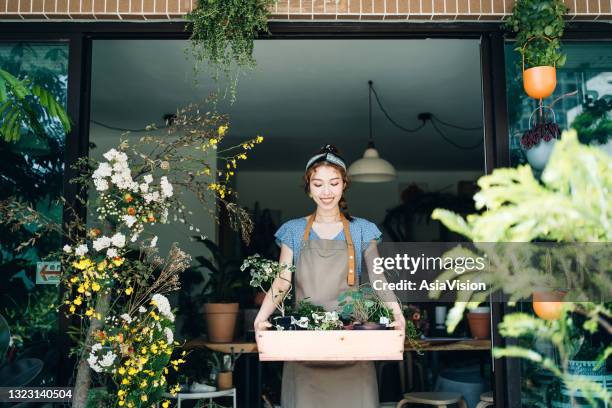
pixel 223 33
pixel 539 25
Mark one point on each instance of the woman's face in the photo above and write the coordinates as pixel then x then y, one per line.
pixel 326 187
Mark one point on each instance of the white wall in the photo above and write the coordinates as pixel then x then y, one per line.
pixel 284 191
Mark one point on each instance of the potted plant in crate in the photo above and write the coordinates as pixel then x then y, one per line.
pixel 363 309
pixel 263 274
pixel 219 291
pixel 539 25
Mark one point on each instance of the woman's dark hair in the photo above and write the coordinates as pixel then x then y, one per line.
pixel 328 148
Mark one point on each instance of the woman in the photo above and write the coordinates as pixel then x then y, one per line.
pixel 327 248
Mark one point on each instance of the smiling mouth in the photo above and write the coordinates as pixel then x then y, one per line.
pixel 327 200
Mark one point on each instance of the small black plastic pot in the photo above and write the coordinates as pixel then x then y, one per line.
pixel 369 326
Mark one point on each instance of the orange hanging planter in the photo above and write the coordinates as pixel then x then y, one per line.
pixel 539 82
pixel 548 305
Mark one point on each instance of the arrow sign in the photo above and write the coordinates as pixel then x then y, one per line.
pixel 48 273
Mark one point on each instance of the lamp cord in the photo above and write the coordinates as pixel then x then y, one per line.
pixel 433 119
pixel 389 117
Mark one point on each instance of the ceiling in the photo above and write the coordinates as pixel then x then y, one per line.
pixel 305 93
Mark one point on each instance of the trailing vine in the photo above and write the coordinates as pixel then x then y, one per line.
pixel 223 33
pixel 539 25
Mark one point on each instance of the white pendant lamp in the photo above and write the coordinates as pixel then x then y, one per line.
pixel 371 168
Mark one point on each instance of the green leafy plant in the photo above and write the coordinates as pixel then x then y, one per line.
pixel 572 205
pixel 15 372
pixel 263 274
pixel 222 363
pixel 23 103
pixel 539 25
pixel 222 34
pixel 363 305
pixel 224 277
pixel 594 123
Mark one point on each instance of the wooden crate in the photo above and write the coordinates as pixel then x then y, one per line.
pixel 331 345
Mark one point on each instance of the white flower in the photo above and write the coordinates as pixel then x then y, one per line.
pixel 164 216
pixel 148 178
pixel 129 220
pixel 126 317
pixel 134 237
pixel 112 253
pixel 384 320
pixel 118 240
pixel 67 249
pixel 153 241
pixel 166 187
pixel 141 309
pixel 81 250
pixel 108 359
pixel 101 184
pixel 101 243
pixel 163 306
pixel 169 335
pixel 93 363
pixel 103 170
pixel 110 155
pixel 96 347
pixel 144 187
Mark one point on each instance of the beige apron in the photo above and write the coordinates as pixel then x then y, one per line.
pixel 325 269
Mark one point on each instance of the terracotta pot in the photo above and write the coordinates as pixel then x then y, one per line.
pixel 480 324
pixel 547 305
pixel 540 82
pixel 221 321
pixel 224 380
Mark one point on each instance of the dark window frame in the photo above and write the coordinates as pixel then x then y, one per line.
pixel 80 36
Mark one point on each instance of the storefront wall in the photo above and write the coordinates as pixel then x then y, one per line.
pixel 79 35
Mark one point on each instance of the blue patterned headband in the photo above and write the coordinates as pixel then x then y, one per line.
pixel 328 157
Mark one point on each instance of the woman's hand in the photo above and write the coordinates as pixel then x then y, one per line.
pixel 399 322
pixel 262 325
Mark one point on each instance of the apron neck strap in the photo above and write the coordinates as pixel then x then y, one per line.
pixel 349 242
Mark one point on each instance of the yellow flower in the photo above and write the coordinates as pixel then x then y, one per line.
pixel 95 286
pixel 82 264
pixel 121 403
pixel 102 265
pixel 143 398
pixel 78 301
pixel 118 261
pixel 89 312
pixel 259 139
pixel 121 393
pixel 121 370
pixel 125 381
pixel 143 383
pixel 213 141
pixel 143 351
pixel 165 404
pixel 81 289
pixel 74 279
pixel 222 130
pixel 129 291
pixel 72 308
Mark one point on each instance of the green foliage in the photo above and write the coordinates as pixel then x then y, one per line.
pixel 22 103
pixel 573 203
pixel 223 32
pixel 224 276
pixel 264 273
pixel 594 123
pixel 5 338
pixel 363 305
pixel 539 25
